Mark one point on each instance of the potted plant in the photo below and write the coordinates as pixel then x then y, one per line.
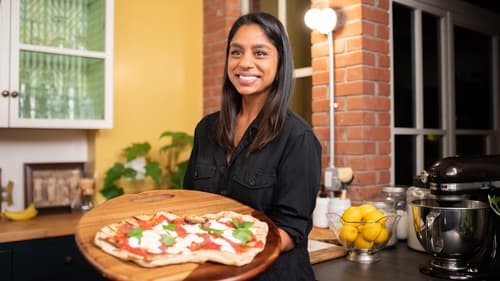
pixel 139 165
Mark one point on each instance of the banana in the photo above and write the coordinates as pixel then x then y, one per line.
pixel 26 214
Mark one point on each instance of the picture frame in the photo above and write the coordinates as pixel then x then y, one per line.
pixel 53 187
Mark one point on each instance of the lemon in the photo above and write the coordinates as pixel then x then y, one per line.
pixel 362 244
pixel 382 236
pixel 366 208
pixel 371 231
pixel 375 216
pixel 348 233
pixel 352 215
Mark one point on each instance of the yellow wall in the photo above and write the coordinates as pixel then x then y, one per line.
pixel 157 76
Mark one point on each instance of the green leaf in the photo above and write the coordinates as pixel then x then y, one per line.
pixel 242 224
pixel 179 140
pixel 167 240
pixel 210 230
pixel 170 227
pixel 242 231
pixel 137 233
pixel 113 174
pixel 177 178
pixel 136 150
pixel 111 191
pixel 129 173
pixel 153 170
pixel 242 234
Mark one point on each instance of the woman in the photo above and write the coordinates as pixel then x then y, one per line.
pixel 257 151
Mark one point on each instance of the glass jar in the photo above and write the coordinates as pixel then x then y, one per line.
pixel 397 195
pixel 413 193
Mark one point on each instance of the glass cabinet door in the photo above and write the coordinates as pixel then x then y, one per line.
pixel 62 53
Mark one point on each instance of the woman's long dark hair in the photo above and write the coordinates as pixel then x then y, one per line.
pixel 275 108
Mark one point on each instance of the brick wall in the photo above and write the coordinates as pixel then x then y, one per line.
pixel 362 89
pixel 218 16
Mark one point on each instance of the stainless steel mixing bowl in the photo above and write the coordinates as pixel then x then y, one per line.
pixel 450 230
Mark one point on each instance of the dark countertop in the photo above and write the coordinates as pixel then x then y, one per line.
pixel 398 262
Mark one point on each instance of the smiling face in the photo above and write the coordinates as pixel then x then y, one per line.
pixel 252 61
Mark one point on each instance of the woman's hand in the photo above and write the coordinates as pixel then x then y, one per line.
pixel 286 242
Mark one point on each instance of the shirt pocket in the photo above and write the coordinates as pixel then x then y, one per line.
pixel 256 180
pixel 204 177
pixel 254 188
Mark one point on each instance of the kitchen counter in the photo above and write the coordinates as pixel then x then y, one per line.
pixel 43 226
pixel 398 262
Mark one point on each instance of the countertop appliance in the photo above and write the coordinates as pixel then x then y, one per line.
pixel 463 178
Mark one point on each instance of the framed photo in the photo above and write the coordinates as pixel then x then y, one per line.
pixel 53 187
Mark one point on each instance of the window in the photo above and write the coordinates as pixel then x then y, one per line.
pixel 291 14
pixel 444 63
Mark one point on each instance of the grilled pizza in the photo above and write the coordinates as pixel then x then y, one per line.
pixel 165 238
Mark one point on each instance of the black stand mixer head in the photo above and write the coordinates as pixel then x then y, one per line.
pixel 464 178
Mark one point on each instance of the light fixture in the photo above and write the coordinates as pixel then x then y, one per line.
pixel 324 21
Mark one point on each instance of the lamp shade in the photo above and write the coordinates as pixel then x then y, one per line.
pixel 322 20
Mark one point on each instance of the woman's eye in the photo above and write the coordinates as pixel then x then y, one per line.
pixel 235 53
pixel 260 54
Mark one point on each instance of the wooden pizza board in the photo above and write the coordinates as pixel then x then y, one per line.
pixel 181 202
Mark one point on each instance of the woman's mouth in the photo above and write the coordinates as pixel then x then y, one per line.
pixel 246 79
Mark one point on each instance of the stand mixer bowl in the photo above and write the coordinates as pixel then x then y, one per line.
pixel 451 231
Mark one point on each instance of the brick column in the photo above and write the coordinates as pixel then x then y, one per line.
pixel 362 92
pixel 218 16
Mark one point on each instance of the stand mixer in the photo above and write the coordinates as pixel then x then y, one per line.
pixel 458 228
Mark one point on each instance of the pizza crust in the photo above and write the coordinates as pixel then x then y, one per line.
pixel 104 239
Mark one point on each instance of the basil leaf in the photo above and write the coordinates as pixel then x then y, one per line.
pixel 137 233
pixel 242 224
pixel 210 230
pixel 167 240
pixel 242 231
pixel 242 234
pixel 170 227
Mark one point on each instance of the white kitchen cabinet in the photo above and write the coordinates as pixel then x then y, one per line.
pixel 56 64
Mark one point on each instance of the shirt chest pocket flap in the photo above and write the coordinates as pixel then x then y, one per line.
pixel 256 180
pixel 204 172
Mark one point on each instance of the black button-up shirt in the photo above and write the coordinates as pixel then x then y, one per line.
pixel 280 180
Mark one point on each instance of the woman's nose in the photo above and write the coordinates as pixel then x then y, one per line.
pixel 246 61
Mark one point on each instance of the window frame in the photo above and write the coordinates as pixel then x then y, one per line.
pixel 450 14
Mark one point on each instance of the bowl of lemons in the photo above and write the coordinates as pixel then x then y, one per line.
pixel 363 230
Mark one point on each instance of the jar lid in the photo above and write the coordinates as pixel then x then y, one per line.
pixel 395 189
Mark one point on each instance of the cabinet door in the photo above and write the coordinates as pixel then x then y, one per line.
pixel 4 62
pixel 61 58
pixel 5 263
pixel 51 259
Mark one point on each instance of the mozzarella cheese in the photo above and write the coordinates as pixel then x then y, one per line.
pixel 224 245
pixel 150 241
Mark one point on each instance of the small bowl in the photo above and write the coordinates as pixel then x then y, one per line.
pixel 363 239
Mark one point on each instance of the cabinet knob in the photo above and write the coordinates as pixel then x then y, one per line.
pixel 5 93
pixel 14 94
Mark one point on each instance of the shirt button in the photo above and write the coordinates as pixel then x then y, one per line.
pixel 196 174
pixel 223 192
pixel 252 182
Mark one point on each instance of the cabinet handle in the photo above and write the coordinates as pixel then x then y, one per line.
pixel 5 93
pixel 14 94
